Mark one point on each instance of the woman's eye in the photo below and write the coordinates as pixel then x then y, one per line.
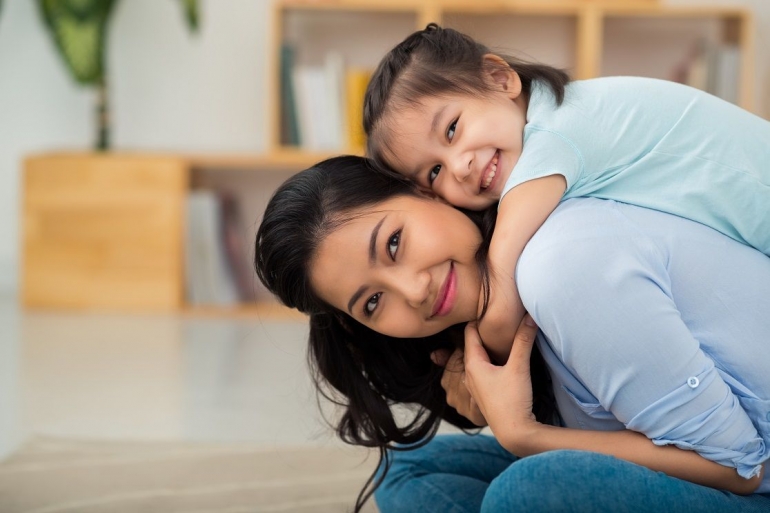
pixel 371 305
pixel 393 244
pixel 450 133
pixel 433 173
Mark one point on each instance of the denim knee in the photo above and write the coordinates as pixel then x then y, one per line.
pixel 403 466
pixel 553 481
pixel 450 474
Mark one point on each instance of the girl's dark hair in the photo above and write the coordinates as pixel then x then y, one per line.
pixel 362 371
pixel 432 62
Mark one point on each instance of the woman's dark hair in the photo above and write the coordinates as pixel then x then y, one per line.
pixel 362 371
pixel 432 62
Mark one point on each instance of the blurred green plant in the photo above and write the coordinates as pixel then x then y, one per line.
pixel 80 29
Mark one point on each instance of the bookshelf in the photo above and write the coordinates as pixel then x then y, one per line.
pixel 85 216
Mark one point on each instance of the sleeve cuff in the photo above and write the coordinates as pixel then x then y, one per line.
pixel 747 462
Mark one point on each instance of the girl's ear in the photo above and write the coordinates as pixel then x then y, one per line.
pixel 500 74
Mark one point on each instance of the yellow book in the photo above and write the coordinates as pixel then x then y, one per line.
pixel 356 80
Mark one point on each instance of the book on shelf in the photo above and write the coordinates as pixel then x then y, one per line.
pixel 322 104
pixel 289 122
pixel 334 83
pixel 356 81
pixel 217 272
pixel 712 67
pixel 309 82
pixel 236 244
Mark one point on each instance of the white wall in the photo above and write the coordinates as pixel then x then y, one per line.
pixel 170 90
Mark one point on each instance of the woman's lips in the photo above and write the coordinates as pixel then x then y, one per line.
pixel 447 294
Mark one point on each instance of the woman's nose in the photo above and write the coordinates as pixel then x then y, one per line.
pixel 415 287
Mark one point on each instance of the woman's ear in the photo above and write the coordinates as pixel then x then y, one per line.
pixel 501 75
pixel 424 192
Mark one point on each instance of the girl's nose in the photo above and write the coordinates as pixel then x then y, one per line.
pixel 462 167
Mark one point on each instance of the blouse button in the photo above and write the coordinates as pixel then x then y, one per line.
pixel 693 382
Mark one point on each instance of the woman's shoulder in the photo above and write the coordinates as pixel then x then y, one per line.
pixel 585 238
pixel 582 221
pixel 582 234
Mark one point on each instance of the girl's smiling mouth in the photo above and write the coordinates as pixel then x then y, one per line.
pixel 490 172
pixel 447 294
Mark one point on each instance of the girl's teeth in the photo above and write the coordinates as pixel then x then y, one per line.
pixel 489 178
pixel 492 172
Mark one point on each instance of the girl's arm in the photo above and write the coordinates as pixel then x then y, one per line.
pixel 522 211
pixel 504 397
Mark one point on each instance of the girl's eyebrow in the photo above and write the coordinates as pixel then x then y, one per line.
pixel 433 127
pixel 437 118
pixel 372 258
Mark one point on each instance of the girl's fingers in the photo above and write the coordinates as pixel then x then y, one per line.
pixel 440 357
pixel 523 342
pixel 474 351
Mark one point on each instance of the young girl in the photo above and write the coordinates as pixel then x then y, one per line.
pixel 370 259
pixel 475 127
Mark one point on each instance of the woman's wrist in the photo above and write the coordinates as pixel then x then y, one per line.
pixel 520 438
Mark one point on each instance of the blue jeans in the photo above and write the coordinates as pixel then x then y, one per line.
pixel 464 473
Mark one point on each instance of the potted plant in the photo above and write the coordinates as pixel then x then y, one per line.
pixel 80 31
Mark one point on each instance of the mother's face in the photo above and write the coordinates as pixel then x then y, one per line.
pixel 405 268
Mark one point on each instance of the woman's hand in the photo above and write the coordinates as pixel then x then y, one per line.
pixel 503 394
pixel 453 383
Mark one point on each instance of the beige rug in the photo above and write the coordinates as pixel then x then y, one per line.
pixel 62 476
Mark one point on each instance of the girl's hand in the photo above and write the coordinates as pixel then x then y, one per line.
pixel 503 394
pixel 453 383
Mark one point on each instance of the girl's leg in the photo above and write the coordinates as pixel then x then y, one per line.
pixel 450 474
pixel 585 482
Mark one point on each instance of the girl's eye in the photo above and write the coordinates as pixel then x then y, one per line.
pixel 371 305
pixel 433 173
pixel 450 133
pixel 393 244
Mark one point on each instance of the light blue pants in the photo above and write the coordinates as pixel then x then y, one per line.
pixel 464 473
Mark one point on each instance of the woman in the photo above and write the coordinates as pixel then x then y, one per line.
pixel 370 259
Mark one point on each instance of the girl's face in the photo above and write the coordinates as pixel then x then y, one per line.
pixel 405 268
pixel 462 147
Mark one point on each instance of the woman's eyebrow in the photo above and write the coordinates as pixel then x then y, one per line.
pixel 373 241
pixel 372 258
pixel 354 298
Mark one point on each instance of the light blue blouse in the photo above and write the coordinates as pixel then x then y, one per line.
pixel 655 144
pixel 655 323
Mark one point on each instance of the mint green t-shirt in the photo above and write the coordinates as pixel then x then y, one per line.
pixel 655 144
